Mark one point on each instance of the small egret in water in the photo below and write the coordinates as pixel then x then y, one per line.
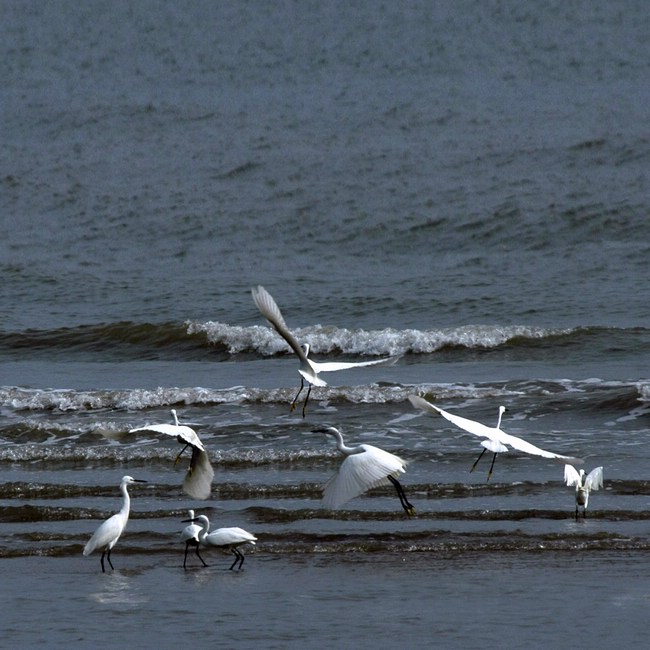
pixel 109 532
pixel 309 370
pixel 198 479
pixel 584 484
pixel 364 467
pixel 190 535
pixel 229 538
pixel 496 438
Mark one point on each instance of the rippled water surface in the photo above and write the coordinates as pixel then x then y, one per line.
pixel 462 186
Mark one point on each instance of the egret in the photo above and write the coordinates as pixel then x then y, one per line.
pixel 190 535
pixel 198 479
pixel 497 440
pixel 309 370
pixel 584 484
pixel 229 538
pixel 109 532
pixel 363 468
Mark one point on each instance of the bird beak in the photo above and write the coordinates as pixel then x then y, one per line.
pixel 139 480
pixel 189 521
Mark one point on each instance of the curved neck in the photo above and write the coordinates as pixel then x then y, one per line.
pixel 175 417
pixel 341 446
pixel 499 418
pixel 126 505
pixel 204 522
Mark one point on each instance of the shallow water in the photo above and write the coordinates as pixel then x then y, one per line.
pixel 465 189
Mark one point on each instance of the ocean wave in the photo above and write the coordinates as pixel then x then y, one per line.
pixel 611 395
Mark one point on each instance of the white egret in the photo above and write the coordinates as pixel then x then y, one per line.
pixel 309 370
pixel 190 535
pixel 229 538
pixel 497 440
pixel 109 532
pixel 584 483
pixel 198 480
pixel 363 468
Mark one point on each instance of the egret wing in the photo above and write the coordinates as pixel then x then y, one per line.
pixel 270 310
pixel 185 433
pixel 198 480
pixel 594 479
pixel 109 531
pixel 329 366
pixel 470 426
pixel 229 536
pixel 361 472
pixel 528 448
pixel 571 475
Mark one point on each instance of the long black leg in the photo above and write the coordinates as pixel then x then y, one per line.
pixel 108 557
pixel 479 458
pixel 295 399
pixel 104 553
pixel 236 554
pixel 408 508
pixel 199 555
pixel 181 453
pixel 576 512
pixel 492 466
pixel 304 405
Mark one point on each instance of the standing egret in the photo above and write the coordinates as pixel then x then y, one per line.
pixel 229 538
pixel 584 484
pixel 190 535
pixel 198 479
pixel 364 467
pixel 109 532
pixel 496 438
pixel 309 370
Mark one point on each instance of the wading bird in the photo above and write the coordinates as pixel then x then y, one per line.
pixel 198 480
pixel 363 468
pixel 309 370
pixel 584 483
pixel 228 538
pixel 190 535
pixel 497 440
pixel 105 537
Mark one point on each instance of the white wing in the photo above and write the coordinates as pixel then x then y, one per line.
pixel 269 309
pixel 470 426
pixel 107 533
pixel 229 536
pixel 594 479
pixel 198 480
pixel 527 447
pixel 329 366
pixel 361 472
pixel 185 433
pixel 571 475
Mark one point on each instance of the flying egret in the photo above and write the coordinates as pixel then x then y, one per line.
pixel 198 479
pixel 229 538
pixel 364 467
pixel 190 535
pixel 109 532
pixel 309 370
pixel 584 484
pixel 496 438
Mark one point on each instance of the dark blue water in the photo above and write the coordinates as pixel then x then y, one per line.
pixel 463 184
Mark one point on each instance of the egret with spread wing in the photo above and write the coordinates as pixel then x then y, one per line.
pixel 497 440
pixel 198 480
pixel 363 468
pixel 309 370
pixel 584 483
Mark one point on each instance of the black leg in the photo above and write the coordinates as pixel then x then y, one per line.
pixel 180 453
pixel 476 461
pixel 295 399
pixel 108 557
pixel 491 466
pixel 187 548
pixel 408 508
pixel 103 554
pixel 236 554
pixel 576 513
pixel 199 555
pixel 304 405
